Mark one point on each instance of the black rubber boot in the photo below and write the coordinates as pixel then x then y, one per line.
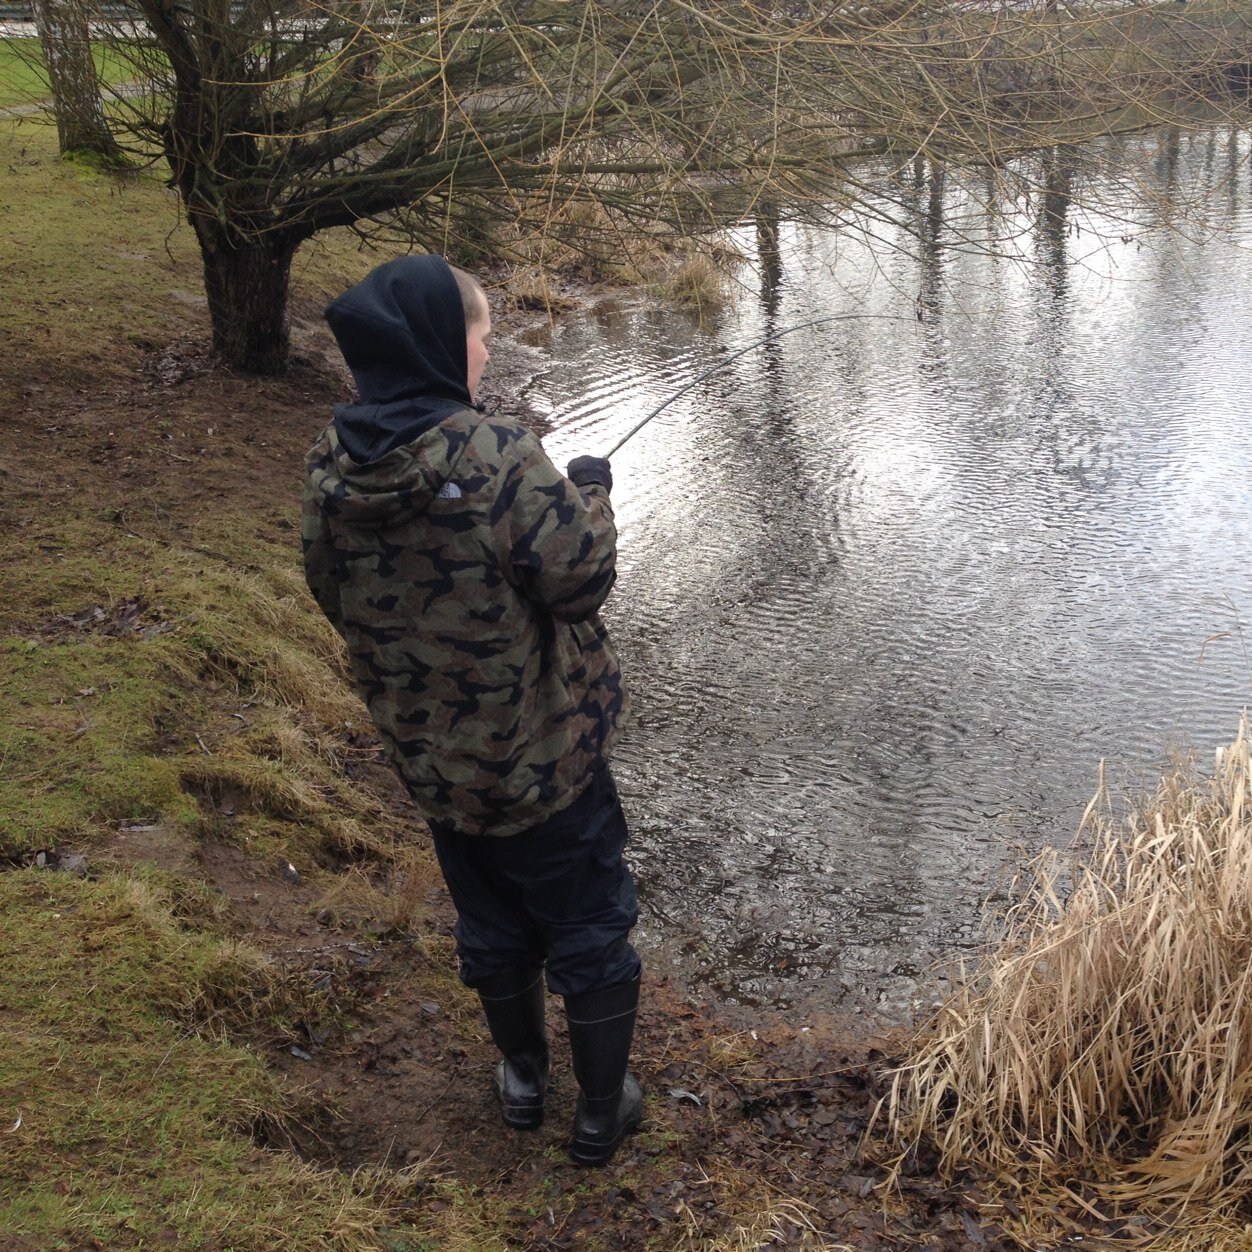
pixel 610 1105
pixel 513 1001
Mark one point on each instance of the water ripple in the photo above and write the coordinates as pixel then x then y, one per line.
pixel 889 592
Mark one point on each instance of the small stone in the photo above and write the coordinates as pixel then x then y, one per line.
pixel 300 1054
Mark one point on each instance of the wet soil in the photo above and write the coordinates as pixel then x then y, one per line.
pixel 739 1123
pixel 756 1127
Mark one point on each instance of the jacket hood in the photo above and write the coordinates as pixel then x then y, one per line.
pixel 395 487
pixel 402 333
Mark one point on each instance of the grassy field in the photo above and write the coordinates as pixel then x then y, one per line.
pixel 24 76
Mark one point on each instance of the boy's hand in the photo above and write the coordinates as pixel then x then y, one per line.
pixel 585 470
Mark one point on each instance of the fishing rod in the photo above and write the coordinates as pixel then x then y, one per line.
pixel 725 361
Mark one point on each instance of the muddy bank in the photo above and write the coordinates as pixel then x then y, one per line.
pixel 756 1129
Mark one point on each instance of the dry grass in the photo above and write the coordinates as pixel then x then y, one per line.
pixel 256 630
pixel 699 280
pixel 758 1218
pixel 589 241
pixel 393 896
pixel 530 287
pixel 1102 1053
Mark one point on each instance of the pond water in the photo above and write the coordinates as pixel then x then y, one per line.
pixel 893 587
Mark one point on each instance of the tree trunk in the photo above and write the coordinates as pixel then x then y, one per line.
pixel 66 40
pixel 248 282
pixel 769 254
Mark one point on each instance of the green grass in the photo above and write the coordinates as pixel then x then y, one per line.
pixel 127 1009
pixel 130 1079
pixel 123 1121
pixel 79 753
pixel 101 262
pixel 99 729
pixel 24 77
pixel 104 729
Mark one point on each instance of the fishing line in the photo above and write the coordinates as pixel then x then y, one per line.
pixel 725 361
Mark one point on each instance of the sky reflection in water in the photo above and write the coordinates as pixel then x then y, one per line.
pixel 891 589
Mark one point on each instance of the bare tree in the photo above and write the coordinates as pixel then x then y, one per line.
pixel 64 35
pixel 447 121
pixel 592 123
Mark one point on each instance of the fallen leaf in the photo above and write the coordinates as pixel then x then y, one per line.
pixel 973 1231
pixel 681 1093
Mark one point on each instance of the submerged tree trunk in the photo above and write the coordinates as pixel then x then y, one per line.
pixel 66 40
pixel 247 282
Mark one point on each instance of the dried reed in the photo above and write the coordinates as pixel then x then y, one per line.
pixel 1102 1051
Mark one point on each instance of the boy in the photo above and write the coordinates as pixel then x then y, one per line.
pixel 465 574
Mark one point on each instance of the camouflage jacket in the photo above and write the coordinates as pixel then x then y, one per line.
pixel 465 574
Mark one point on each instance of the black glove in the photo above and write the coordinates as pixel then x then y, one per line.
pixel 585 470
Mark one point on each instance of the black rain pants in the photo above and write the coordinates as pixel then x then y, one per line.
pixel 559 894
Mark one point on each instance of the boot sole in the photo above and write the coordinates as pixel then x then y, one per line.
pixel 517 1116
pixel 528 1121
pixel 591 1154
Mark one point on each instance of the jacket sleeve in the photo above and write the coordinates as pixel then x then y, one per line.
pixel 562 542
pixel 320 572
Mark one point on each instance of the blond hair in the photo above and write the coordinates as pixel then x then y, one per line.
pixel 473 297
